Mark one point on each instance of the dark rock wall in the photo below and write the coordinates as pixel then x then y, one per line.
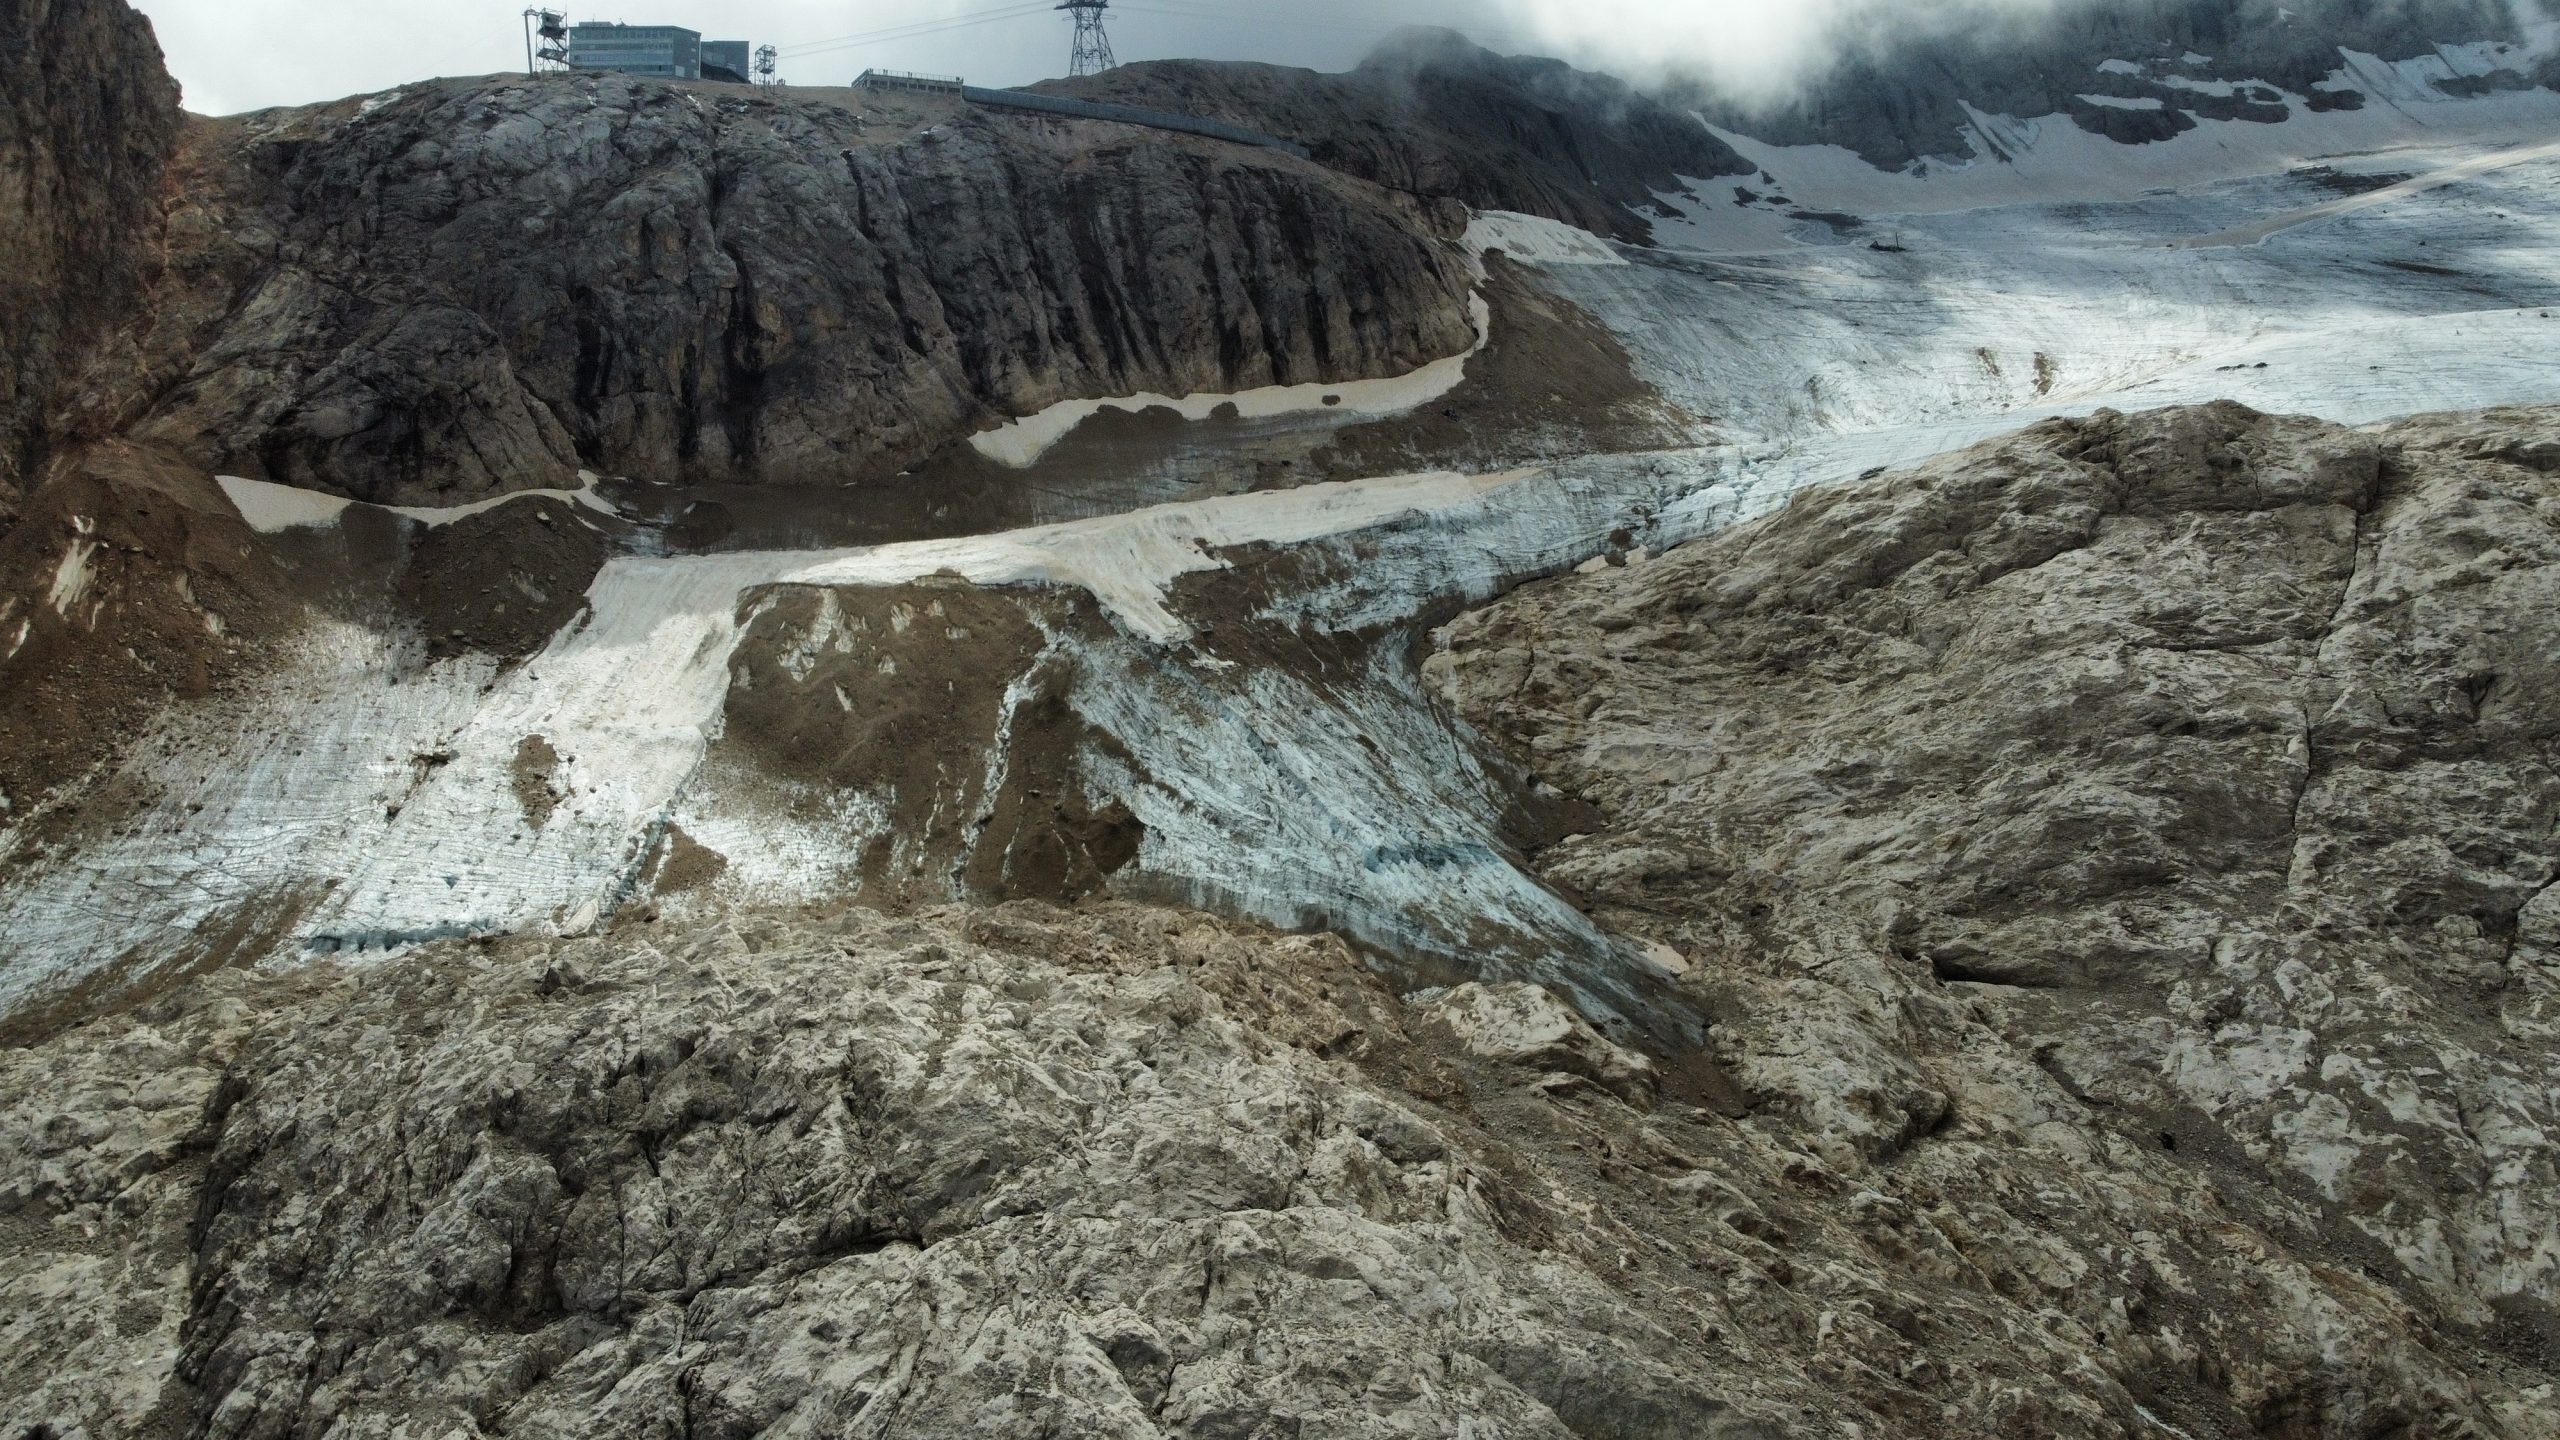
pixel 484 285
pixel 1433 115
pixel 88 119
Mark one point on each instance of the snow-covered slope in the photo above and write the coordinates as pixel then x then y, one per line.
pixel 2047 160
pixel 1921 329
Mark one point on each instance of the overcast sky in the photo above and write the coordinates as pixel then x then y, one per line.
pixel 234 55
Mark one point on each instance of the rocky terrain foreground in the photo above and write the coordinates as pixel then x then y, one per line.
pixel 2116 860
pixel 1598 763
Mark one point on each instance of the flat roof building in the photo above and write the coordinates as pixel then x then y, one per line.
pixel 670 52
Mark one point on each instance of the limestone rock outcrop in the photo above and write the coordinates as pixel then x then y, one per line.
pixel 1122 1172
pixel 474 286
pixel 2200 763
pixel 88 123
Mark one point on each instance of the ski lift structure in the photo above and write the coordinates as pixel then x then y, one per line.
pixel 546 42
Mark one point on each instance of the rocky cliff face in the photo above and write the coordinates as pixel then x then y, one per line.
pixel 2191 771
pixel 1011 1173
pixel 1904 97
pixel 88 122
pixel 479 286
pixel 1430 114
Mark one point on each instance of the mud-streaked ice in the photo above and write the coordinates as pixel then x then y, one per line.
pixel 372 800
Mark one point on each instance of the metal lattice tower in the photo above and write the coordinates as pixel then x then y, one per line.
pixel 546 42
pixel 768 65
pixel 1093 45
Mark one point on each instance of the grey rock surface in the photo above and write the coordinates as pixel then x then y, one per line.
pixel 2198 760
pixel 88 122
pixel 1003 1173
pixel 474 286
pixel 1431 114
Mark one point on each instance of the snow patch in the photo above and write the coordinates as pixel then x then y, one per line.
pixel 585 495
pixel 1537 240
pixel 71 578
pixel 270 508
pixel 2216 89
pixel 1019 444
pixel 1127 561
pixel 1665 960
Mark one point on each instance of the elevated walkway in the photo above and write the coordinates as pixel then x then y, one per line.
pixel 909 81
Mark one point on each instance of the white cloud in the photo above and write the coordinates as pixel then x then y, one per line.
pixel 1752 49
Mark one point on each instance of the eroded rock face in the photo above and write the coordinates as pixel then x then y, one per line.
pixel 1431 114
pixel 1121 1171
pixel 1009 1172
pixel 2190 771
pixel 474 286
pixel 88 121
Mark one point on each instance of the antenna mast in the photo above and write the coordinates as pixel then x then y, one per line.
pixel 546 42
pixel 1093 46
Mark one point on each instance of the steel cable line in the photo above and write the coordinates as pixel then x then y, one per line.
pixel 896 36
pixel 1297 20
pixel 1006 9
pixel 915 29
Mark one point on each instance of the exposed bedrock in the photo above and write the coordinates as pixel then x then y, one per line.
pixel 1015 1172
pixel 2200 762
pixel 1433 115
pixel 474 286
pixel 88 121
